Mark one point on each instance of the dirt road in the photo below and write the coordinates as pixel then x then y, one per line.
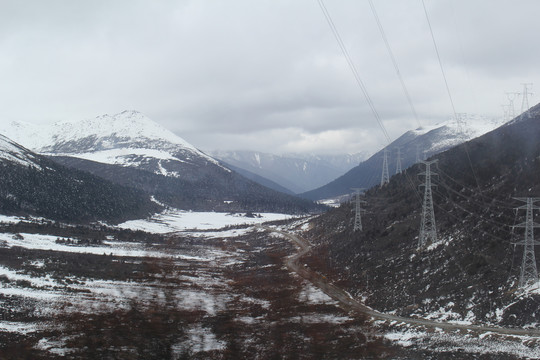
pixel 348 303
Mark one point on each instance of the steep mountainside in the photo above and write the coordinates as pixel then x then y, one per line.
pixel 132 150
pixel 471 274
pixel 30 184
pixel 425 142
pixel 296 172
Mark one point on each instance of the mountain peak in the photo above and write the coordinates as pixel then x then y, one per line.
pixel 129 138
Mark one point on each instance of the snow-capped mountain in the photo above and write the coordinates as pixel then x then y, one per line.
pixel 127 139
pixel 296 172
pixel 130 149
pixel 421 143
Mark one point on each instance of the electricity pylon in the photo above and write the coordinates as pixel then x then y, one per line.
pixel 385 178
pixel 417 153
pixel 529 273
pixel 428 228
pixel 398 161
pixel 358 209
pixel 511 97
pixel 505 112
pixel 525 99
pixel 460 120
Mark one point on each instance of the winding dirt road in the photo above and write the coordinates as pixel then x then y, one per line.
pixel 350 304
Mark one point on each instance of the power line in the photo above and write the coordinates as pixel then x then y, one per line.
pixel 448 89
pixel 353 68
pixel 394 62
pixel 439 59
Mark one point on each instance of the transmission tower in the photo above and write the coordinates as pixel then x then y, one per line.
pixel 460 120
pixel 428 228
pixel 385 178
pixel 505 112
pixel 511 96
pixel 358 209
pixel 525 99
pixel 398 161
pixel 529 272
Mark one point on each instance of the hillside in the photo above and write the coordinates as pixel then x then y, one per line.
pixel 424 141
pixel 132 150
pixel 212 191
pixel 471 274
pixel 30 184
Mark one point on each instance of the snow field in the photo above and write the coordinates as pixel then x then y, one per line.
pixel 487 343
pixel 175 221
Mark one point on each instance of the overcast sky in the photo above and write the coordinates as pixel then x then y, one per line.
pixel 264 75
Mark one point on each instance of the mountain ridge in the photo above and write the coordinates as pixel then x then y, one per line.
pixel 471 274
pixel 296 172
pixel 431 140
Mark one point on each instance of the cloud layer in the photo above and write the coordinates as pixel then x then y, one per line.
pixel 263 75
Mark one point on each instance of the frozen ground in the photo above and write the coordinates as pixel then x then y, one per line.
pixel 482 344
pixel 230 276
pixel 186 221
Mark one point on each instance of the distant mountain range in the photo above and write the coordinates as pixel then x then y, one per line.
pixel 295 172
pixel 132 150
pixel 422 142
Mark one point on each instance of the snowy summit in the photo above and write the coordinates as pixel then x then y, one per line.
pixel 128 139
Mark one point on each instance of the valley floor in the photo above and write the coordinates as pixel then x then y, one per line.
pixel 197 286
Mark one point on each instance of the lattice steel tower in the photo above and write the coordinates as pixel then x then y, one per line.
pixel 511 97
pixel 505 112
pixel 385 178
pixel 398 161
pixel 358 209
pixel 525 99
pixel 428 227
pixel 529 273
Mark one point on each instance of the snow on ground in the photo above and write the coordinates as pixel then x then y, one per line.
pixel 18 327
pixel 48 242
pixel 200 339
pixel 313 295
pixel 181 221
pixel 10 219
pixel 488 343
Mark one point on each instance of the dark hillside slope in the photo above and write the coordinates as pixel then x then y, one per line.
pixel 43 188
pixel 471 274
pixel 210 188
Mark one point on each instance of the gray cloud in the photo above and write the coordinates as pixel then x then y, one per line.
pixel 265 75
